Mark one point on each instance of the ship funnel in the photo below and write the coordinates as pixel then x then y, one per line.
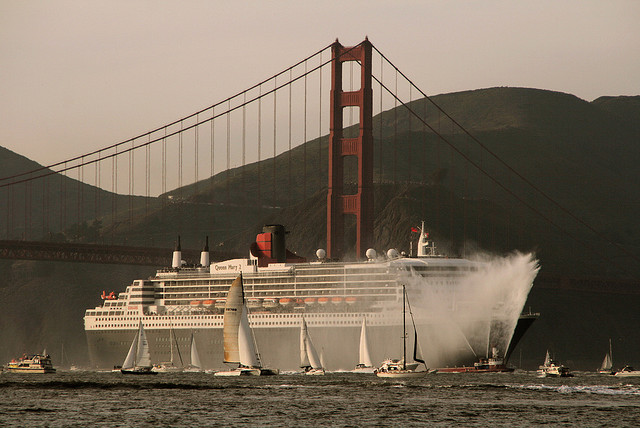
pixel 204 255
pixel 176 262
pixel 278 245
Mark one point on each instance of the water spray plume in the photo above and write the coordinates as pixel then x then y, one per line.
pixel 477 318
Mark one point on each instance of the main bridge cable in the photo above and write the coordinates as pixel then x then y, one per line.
pixel 479 168
pixel 148 133
pixel 165 136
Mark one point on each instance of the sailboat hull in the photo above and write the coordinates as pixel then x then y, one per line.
pixel 247 372
pixel 138 371
pixel 402 374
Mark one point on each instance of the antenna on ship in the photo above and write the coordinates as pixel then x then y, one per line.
pixel 176 262
pixel 204 255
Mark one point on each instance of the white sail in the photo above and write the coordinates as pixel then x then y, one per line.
pixel 246 346
pixel 143 356
pixel 231 322
pixel 365 357
pixel 239 346
pixel 304 357
pixel 607 364
pixel 308 353
pixel 547 359
pixel 130 360
pixel 195 358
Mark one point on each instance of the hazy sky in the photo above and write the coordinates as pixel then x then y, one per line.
pixel 80 75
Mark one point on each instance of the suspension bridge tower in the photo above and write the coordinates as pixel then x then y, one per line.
pixel 360 203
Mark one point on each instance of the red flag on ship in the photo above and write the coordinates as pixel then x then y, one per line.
pixel 414 229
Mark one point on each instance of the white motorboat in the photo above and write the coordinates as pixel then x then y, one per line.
pixel 551 368
pixel 627 371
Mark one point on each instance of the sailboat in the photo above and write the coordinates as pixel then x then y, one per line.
pixel 170 366
pixel 196 365
pixel 138 360
pixel 309 361
pixel 364 359
pixel 400 368
pixel 607 363
pixel 239 346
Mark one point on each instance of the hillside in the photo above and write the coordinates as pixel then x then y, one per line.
pixel 53 207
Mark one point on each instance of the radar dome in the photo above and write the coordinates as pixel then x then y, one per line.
pixel 321 254
pixel 371 254
pixel 392 253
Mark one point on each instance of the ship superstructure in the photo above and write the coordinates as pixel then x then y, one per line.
pixel 334 297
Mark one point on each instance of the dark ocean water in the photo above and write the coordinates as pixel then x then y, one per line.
pixel 339 399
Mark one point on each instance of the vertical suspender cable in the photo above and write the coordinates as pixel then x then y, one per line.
pixel 98 189
pixel 131 183
pixel 304 138
pixel 244 141
pixel 395 135
pixel 259 180
pixel 213 158
pixel 147 175
pixel 196 151
pixel 275 127
pixel 228 147
pixel 290 190
pixel 410 137
pixel 381 177
pixel 180 159
pixel 320 130
pixel 114 189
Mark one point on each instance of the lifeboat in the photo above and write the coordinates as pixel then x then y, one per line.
pixel 208 302
pixel 310 301
pixel 220 303
pixel 323 300
pixel 285 301
pixel 350 300
pixel 270 303
pixel 336 300
pixel 253 303
pixel 195 303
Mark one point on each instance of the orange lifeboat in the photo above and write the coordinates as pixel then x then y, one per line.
pixel 350 300
pixel 208 302
pixel 285 301
pixel 337 300
pixel 310 301
pixel 195 303
pixel 323 300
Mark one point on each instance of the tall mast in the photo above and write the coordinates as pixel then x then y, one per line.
pixel 404 331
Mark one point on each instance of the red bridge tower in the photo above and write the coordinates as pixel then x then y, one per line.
pixel 360 203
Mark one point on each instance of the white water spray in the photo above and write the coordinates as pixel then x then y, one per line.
pixel 463 319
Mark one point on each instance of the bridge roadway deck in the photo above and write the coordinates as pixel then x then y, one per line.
pixel 95 253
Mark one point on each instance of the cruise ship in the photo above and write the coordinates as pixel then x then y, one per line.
pixel 460 312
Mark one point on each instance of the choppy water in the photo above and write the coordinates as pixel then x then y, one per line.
pixel 338 399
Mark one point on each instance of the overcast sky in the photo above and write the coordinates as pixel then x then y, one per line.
pixel 80 75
